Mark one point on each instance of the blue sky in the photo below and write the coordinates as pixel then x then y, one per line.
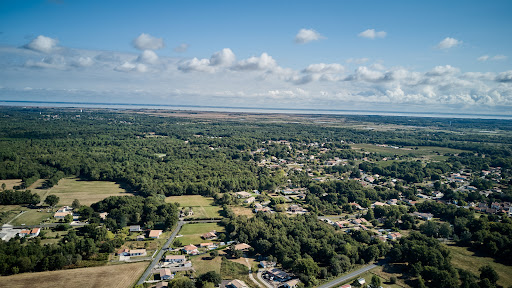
pixel 419 55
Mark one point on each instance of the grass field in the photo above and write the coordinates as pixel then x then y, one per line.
pixel 421 151
pixel 87 192
pixel 465 259
pixel 190 200
pixel 242 211
pixel 192 232
pixel 202 266
pixel 32 217
pixel 9 183
pixel 202 206
pixel 114 276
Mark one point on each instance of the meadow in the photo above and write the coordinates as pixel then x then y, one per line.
pixel 113 276
pixel 203 207
pixel 192 232
pixel 87 192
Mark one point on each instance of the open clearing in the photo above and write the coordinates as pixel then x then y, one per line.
pixel 242 211
pixel 87 192
pixel 190 200
pixel 205 265
pixel 202 206
pixel 114 276
pixel 9 183
pixel 192 232
pixel 421 151
pixel 465 259
pixel 32 217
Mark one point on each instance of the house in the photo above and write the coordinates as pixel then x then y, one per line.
pixel 392 202
pixel 141 238
pixel 24 233
pixel 237 284
pixel 243 194
pixel 208 245
pixel 267 264
pixel 175 259
pixel 210 235
pixel 357 206
pixel 242 246
pixel 155 234
pixel 394 236
pixel 249 200
pixel 35 232
pixel 137 252
pixel 361 281
pixel 103 215
pixel 424 216
pixel 346 286
pixel 135 228
pixel 61 215
pixel 296 209
pixel 190 249
pixel 277 274
pixel 290 283
pixel 166 274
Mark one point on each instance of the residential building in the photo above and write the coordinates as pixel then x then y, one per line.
pixel 135 228
pixel 155 234
pixel 190 249
pixel 166 274
pixel 237 284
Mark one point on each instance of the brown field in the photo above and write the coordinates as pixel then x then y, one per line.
pixel 114 276
pixel 87 192
pixel 242 211
pixel 9 183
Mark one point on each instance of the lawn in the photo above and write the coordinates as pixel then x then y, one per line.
pixel 114 276
pixel 368 277
pixel 32 217
pixel 87 192
pixel 190 200
pixel 202 206
pixel 8 212
pixel 465 259
pixel 421 151
pixel 192 232
pixel 203 265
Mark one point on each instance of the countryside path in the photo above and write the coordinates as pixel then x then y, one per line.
pixel 344 278
pixel 160 253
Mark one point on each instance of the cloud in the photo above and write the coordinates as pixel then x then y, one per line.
pixel 372 34
pixel 83 62
pixel 225 57
pixel 483 58
pixel 148 57
pixel 264 62
pixel 365 74
pixel 148 42
pixel 499 58
pixel 505 77
pixel 181 48
pixel 448 42
pixel 324 68
pixel 307 35
pixel 129 67
pixel 442 70
pixel 42 44
pixel 50 62
pixel 195 64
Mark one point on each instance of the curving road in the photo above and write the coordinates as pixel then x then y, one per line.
pixel 349 276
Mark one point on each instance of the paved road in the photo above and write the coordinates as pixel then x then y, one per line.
pixel 160 253
pixel 344 278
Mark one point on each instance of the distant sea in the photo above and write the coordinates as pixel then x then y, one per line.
pixel 248 109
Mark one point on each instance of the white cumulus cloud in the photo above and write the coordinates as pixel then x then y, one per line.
pixel 148 42
pixel 129 67
pixel 505 77
pixel 225 57
pixel 263 62
pixel 448 42
pixel 307 35
pixel 148 57
pixel 442 70
pixel 42 44
pixel 324 68
pixel 372 34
